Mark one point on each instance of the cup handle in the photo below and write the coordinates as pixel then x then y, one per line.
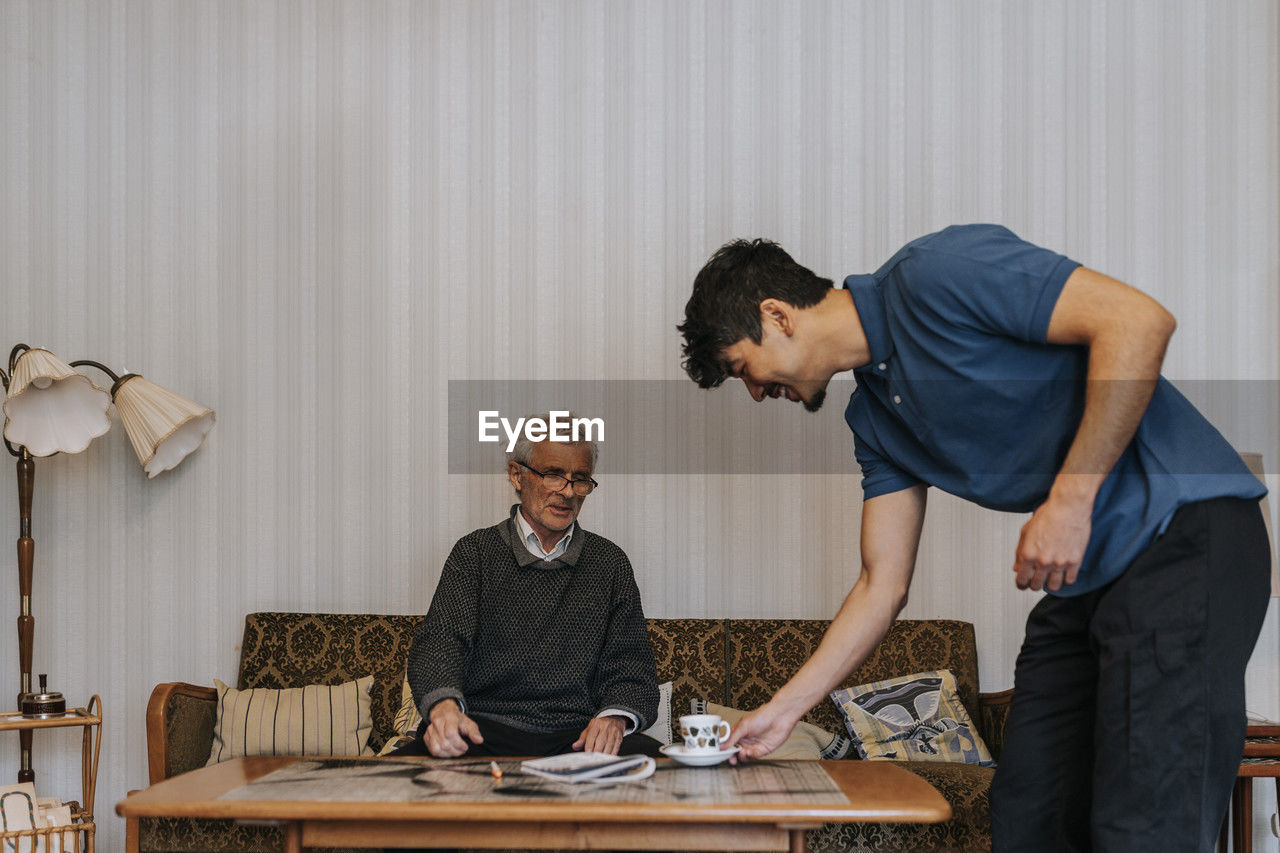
pixel 723 735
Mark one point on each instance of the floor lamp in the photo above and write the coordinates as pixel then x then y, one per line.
pixel 50 407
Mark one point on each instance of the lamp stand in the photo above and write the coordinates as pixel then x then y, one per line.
pixel 153 416
pixel 26 622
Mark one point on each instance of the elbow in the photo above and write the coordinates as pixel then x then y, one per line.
pixel 1156 323
pixel 1165 323
pixel 894 600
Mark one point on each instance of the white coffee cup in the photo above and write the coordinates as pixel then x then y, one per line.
pixel 703 732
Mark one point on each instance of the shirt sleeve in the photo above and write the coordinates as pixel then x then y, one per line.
pixel 443 640
pixel 626 677
pixel 986 277
pixel 879 475
pixel 632 721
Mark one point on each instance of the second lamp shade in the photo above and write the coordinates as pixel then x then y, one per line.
pixel 163 426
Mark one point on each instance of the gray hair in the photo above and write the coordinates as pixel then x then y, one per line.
pixel 523 450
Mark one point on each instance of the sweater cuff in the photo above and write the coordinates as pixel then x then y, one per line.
pixel 633 722
pixel 435 697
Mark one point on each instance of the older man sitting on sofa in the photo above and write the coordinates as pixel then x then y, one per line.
pixel 535 643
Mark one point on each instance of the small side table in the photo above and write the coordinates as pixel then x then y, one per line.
pixel 1261 760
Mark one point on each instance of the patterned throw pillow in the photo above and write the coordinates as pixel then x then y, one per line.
pixel 912 718
pixel 313 720
pixel 806 742
pixel 407 719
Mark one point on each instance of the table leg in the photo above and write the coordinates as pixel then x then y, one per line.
pixel 798 842
pixel 293 837
pixel 1242 816
pixel 131 835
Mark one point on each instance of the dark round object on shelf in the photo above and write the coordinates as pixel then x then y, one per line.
pixel 44 703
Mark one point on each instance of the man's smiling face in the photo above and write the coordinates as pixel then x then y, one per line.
pixel 776 367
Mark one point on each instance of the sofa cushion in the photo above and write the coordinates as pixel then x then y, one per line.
pixel 764 653
pixel 290 649
pixel 911 718
pixel 311 720
pixel 690 653
pixel 661 728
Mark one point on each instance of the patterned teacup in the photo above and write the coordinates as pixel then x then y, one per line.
pixel 703 732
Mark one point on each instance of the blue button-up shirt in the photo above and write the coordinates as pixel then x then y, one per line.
pixel 963 392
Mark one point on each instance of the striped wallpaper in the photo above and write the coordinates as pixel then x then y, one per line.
pixel 311 214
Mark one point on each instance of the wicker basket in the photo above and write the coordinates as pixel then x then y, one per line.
pixel 53 839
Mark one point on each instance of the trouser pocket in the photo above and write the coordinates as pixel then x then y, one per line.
pixel 1151 734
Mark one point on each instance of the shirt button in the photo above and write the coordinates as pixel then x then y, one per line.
pixel 897 399
pixel 880 366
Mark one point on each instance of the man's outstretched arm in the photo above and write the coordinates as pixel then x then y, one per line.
pixel 890 538
pixel 1126 332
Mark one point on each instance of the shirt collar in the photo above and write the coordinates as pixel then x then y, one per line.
pixel 868 299
pixel 534 545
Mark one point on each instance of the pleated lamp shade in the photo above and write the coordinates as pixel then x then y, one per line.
pixel 51 407
pixel 162 426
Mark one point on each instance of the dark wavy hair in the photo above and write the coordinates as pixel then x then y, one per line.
pixel 725 305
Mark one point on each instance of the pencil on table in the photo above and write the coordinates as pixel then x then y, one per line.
pixel 495 770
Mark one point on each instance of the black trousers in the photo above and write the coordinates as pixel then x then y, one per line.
pixel 501 739
pixel 1127 722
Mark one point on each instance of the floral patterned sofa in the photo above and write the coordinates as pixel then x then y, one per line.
pixel 735 662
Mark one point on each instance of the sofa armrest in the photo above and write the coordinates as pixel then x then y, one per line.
pixel 993 714
pixel 180 719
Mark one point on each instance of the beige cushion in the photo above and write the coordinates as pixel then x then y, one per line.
pixel 312 720
pixel 806 742
pixel 405 723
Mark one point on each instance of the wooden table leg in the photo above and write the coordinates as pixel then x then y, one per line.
pixel 293 837
pixel 798 842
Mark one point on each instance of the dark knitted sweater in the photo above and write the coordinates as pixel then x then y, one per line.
pixel 542 646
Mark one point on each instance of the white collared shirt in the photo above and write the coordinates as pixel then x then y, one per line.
pixel 534 545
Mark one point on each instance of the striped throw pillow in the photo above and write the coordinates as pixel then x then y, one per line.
pixel 312 720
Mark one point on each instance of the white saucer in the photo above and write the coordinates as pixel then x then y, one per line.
pixel 697 759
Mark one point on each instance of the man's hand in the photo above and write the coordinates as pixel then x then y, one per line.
pixel 760 732
pixel 448 726
pixel 602 734
pixel 1053 543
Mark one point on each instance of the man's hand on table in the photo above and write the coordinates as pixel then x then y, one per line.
pixel 447 729
pixel 602 734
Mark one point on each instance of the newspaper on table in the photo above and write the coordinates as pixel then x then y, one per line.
pixel 470 780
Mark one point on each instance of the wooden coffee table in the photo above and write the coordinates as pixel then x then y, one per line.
pixel 877 791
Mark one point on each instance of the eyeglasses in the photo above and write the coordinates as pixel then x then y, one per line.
pixel 556 483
